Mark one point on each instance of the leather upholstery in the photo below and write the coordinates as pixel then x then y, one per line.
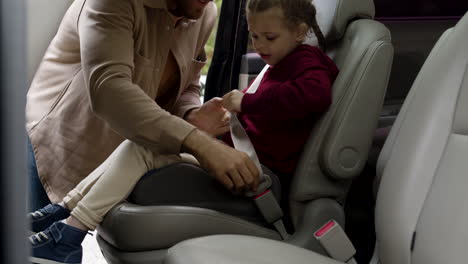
pixel 235 249
pixel 421 211
pixel 348 11
pixel 141 228
pixel 417 191
pixel 339 144
pixel 336 151
pixel 199 189
pixel 333 16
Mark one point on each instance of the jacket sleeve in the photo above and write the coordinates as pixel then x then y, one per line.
pixel 309 91
pixel 107 52
pixel 190 97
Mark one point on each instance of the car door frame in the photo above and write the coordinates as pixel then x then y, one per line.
pixel 230 45
pixel 13 181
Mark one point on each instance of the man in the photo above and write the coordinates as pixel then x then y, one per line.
pixel 121 69
pixel 126 69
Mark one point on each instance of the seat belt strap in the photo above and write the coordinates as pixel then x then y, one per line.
pixel 256 83
pixel 263 197
pixel 241 142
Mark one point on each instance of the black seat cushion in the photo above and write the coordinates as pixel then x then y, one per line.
pixel 189 185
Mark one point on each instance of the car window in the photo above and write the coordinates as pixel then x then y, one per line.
pixel 209 49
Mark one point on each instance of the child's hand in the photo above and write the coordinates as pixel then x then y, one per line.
pixel 232 101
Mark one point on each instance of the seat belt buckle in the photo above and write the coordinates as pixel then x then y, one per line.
pixel 268 206
pixel 335 241
pixel 263 186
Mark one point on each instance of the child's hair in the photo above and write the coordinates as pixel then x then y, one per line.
pixel 295 13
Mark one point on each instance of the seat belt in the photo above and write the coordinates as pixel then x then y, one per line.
pixel 330 236
pixel 263 197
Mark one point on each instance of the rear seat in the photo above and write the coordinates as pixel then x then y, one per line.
pixel 335 154
pixel 421 211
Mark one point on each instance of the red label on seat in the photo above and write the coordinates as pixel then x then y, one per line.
pixel 260 195
pixel 325 228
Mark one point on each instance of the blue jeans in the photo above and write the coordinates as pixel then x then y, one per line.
pixel 38 197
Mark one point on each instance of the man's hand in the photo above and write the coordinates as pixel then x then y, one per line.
pixel 211 117
pixel 232 168
pixel 232 101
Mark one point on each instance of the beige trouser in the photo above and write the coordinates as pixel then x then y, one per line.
pixel 113 181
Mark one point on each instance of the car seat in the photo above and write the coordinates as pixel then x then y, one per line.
pixel 421 211
pixel 335 153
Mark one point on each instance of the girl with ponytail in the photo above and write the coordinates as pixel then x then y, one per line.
pixel 295 90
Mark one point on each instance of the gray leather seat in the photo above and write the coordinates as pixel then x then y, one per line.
pixel 421 211
pixel 335 153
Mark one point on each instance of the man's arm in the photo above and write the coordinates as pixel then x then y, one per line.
pixel 106 34
pixel 234 169
pixel 107 51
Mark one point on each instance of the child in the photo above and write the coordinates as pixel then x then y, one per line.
pixel 295 90
pixel 278 117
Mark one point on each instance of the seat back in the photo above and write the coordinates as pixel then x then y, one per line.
pixel 421 212
pixel 338 145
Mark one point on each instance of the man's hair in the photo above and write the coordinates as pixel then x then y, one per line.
pixel 295 12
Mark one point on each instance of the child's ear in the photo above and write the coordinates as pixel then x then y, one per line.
pixel 302 30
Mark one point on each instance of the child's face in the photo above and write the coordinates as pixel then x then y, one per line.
pixel 271 36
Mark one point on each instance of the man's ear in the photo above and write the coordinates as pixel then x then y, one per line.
pixel 302 30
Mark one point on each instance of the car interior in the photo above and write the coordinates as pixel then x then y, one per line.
pixel 385 163
pixel 420 212
pixel 335 153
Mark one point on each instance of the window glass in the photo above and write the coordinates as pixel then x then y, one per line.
pixel 209 48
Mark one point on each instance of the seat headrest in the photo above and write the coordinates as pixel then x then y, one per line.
pixel 333 16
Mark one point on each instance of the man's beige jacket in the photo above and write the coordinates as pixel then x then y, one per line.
pixel 98 82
